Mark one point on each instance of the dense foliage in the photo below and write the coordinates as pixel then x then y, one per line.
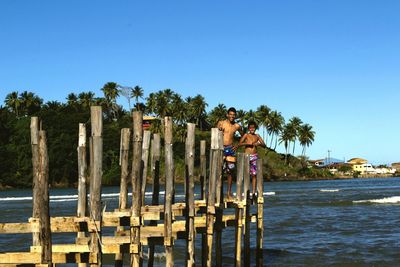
pixel 60 120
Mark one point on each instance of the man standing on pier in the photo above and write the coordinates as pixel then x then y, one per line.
pixel 229 127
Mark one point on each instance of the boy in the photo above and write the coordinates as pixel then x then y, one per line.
pixel 251 141
pixel 229 127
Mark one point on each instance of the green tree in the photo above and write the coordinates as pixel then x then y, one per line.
pixel 13 102
pixel 275 126
pixel 306 136
pixel 137 92
pixel 295 123
pixel 217 113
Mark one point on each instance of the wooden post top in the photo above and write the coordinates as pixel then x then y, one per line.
pixel 96 117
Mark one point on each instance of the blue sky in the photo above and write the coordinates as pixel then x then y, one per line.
pixel 333 63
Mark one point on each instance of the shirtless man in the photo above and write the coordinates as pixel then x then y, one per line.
pixel 251 141
pixel 229 127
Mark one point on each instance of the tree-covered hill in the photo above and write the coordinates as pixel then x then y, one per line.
pixel 61 120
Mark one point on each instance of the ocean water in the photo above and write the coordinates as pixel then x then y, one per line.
pixel 354 222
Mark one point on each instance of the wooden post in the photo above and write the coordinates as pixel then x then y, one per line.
pixel 35 173
pixel 239 210
pixel 137 168
pixel 82 179
pixel 203 169
pixel 123 194
pixel 260 212
pixel 190 211
pixel 219 202
pixel 124 162
pixel 247 211
pixel 145 159
pixel 44 217
pixel 82 173
pixel 214 161
pixel 203 184
pixel 155 176
pixel 96 176
pixel 169 182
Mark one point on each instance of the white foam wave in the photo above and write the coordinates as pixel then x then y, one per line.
pixel 386 200
pixel 158 256
pixel 15 198
pixel 269 194
pixel 329 190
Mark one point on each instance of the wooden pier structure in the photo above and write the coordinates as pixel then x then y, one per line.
pixel 140 228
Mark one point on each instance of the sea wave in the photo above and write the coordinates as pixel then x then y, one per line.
pixel 329 190
pixel 386 200
pixel 269 194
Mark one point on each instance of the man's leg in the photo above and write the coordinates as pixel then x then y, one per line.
pixel 229 185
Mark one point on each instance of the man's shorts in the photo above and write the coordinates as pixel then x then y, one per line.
pixel 253 164
pixel 229 159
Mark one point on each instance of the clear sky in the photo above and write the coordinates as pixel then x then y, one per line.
pixel 333 63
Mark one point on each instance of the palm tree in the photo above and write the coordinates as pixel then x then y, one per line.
pixel 197 108
pixel 262 115
pixel 137 92
pixel 241 117
pixel 287 136
pixel 13 102
pixel 72 99
pixel 275 126
pixel 295 123
pixel 30 103
pixel 216 114
pixel 306 137
pixel 111 92
pixel 86 99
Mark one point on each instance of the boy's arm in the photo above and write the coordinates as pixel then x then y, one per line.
pixel 242 139
pixel 260 141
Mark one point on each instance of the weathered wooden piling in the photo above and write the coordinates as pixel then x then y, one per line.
pixel 145 159
pixel 44 217
pixel 214 162
pixel 239 209
pixel 219 202
pixel 246 190
pixel 260 213
pixel 169 182
pixel 35 173
pixel 190 211
pixel 82 180
pixel 82 172
pixel 96 170
pixel 155 177
pixel 137 171
pixel 123 194
pixel 203 170
pixel 203 195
